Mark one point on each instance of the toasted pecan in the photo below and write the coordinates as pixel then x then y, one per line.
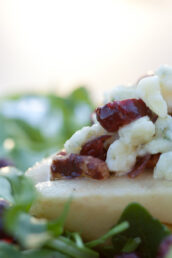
pixel 74 165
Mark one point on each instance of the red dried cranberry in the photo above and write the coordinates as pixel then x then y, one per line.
pixel 116 114
pixel 164 247
pixel 96 147
pixel 152 161
pixel 127 255
pixel 146 162
pixel 139 166
pixel 74 165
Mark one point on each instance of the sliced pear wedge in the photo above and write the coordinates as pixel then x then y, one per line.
pixel 97 205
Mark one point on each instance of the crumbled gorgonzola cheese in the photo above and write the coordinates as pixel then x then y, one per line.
pixel 157 145
pixel 148 90
pixel 165 75
pixel 74 144
pixel 162 142
pixel 163 167
pixel 139 132
pixel 164 127
pixel 121 155
pixel 120 93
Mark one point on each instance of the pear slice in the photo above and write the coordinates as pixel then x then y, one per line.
pixel 97 205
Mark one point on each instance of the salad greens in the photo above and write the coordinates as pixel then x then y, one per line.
pixel 136 230
pixel 34 126
pixel 142 224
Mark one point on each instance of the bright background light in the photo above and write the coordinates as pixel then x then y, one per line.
pixel 59 44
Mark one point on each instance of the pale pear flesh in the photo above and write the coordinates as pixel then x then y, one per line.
pixel 97 204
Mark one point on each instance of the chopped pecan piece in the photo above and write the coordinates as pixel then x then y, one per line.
pixel 74 165
pixel 96 148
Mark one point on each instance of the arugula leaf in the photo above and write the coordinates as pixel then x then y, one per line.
pixel 27 230
pixel 114 231
pixel 76 237
pixel 22 189
pixel 8 250
pixel 43 253
pixel 142 225
pixel 38 125
pixel 5 190
pixel 68 247
pixel 131 245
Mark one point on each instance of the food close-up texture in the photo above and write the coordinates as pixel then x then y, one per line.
pixel 85 129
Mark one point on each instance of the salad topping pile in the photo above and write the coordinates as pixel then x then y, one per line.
pixel 132 132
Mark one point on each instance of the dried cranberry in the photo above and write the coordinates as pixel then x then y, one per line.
pixel 74 165
pixel 127 255
pixel 139 166
pixel 164 247
pixel 148 161
pixel 4 163
pixel 152 161
pixel 116 114
pixel 96 147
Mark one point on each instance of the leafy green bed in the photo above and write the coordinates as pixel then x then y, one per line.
pixel 35 126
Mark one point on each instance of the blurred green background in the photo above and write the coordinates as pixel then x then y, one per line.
pixel 34 126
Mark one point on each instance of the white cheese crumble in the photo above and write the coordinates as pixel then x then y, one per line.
pixel 74 144
pixel 157 145
pixel 165 75
pixel 164 127
pixel 120 93
pixel 138 132
pixel 121 155
pixel 163 169
pixel 148 90
pixel 162 141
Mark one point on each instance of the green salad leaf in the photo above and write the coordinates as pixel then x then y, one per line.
pixel 22 189
pixel 8 250
pixel 114 231
pixel 34 126
pixel 143 226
